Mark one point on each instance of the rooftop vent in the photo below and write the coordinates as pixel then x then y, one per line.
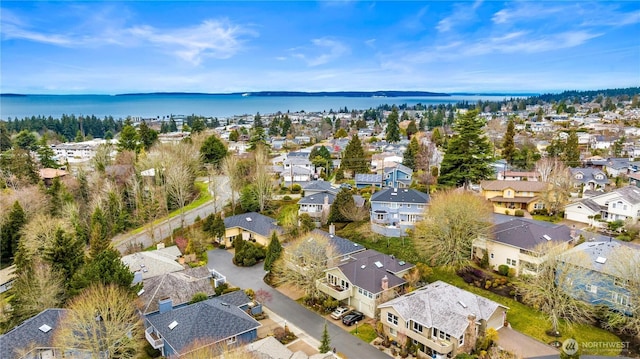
pixel 140 292
pixel 45 328
pixel 249 219
pixel 462 304
pixel 173 325
pixel 402 263
pixel 601 260
pixel 225 304
pixel 378 264
pixel 546 237
pixel 363 266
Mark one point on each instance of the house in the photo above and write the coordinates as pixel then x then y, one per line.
pixel 149 264
pixel 620 204
pixel 589 179
pixel 634 180
pixel 398 176
pixel 49 174
pixel 394 211
pixel 204 326
pixel 342 247
pixel 297 168
pixel 252 226
pixel 364 180
pixel 518 176
pixel 609 274
pixel 317 187
pixel 7 276
pixel 365 279
pixel 520 244
pixel 441 319
pixel 179 287
pixel 317 206
pixel 507 196
pixel 380 161
pixel 33 338
pixel 612 166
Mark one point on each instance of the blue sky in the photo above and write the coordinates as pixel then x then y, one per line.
pixel 237 46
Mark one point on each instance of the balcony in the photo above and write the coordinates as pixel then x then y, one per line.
pixel 153 339
pixel 333 291
pixel 439 345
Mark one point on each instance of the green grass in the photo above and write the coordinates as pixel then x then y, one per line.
pixel 539 217
pixel 361 233
pixel 365 332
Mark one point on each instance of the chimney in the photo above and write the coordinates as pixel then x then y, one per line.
pixel 165 305
pixel 326 200
pixel 385 283
pixel 137 277
pixel 332 229
pixel 470 336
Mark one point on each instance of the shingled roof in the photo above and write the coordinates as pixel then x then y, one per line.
pixel 529 234
pixel 406 195
pixel 253 222
pixel 368 268
pixel 518 186
pixel 36 332
pixel 178 286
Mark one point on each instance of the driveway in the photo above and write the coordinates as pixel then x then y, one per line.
pixel 523 345
pixel 301 317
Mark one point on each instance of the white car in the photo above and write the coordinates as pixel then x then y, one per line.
pixel 339 312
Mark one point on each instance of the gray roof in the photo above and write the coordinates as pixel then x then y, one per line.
pixel 320 186
pixel 362 271
pixel 253 222
pixel 28 335
pixel 317 198
pixel 209 321
pixel 589 175
pixel 178 286
pixel 342 246
pixel 154 263
pixel 399 167
pixel 529 234
pixel 630 194
pixel 440 305
pixel 610 251
pixel 368 178
pixel 406 195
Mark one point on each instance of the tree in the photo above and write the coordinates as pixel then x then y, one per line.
pixel 10 232
pixel 508 144
pixel 214 226
pixel 5 138
pixel 411 129
pixel 249 199
pixel 198 125
pixel 393 127
pixel 102 158
pixel 274 250
pixel 258 138
pixel 341 133
pixel 409 156
pixel 179 178
pixel 343 199
pixel 325 343
pixel 262 183
pixel 46 154
pixel 550 289
pixel 353 158
pixel 102 321
pixel 129 139
pixel 231 169
pixel 26 140
pixel 65 254
pixel 572 151
pixel 468 156
pixel 303 263
pixel 146 135
pixel 213 151
pixel 450 224
pixel 99 233
pixel 525 157
pixel 106 268
pixel 559 190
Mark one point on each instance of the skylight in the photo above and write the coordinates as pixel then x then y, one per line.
pixel 462 304
pixel 546 237
pixel 601 260
pixel 363 266
pixel 45 328
pixel 402 263
pixel 249 219
pixel 173 325
pixel 378 264
pixel 140 292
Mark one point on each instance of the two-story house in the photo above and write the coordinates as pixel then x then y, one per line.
pixel 508 196
pixel 297 169
pixel 608 274
pixel 394 211
pixel 365 279
pixel 518 176
pixel 398 176
pixel 364 180
pixel 589 179
pixel 441 319
pixel 620 204
pixel 521 243
pixel 203 326
pixel 34 337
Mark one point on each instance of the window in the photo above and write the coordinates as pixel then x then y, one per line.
pixel 393 205
pixel 232 340
pixel 408 205
pixel 591 288
pixel 619 282
pixel 624 207
pixel 621 299
pixel 512 262
pixel 491 255
pixel 538 205
pixel 417 327
pixel 391 318
pixel 421 206
pixel 379 216
pixel 461 340
pixel 393 331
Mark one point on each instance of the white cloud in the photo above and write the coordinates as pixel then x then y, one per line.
pixel 527 11
pixel 461 14
pixel 324 50
pixel 517 42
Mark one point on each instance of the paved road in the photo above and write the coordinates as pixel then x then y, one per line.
pixel 306 320
pixel 162 230
pixel 523 345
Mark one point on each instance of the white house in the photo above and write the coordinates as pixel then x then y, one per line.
pixel 620 204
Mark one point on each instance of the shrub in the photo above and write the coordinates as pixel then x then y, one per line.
pixel 503 269
pixel 222 246
pixel 296 188
pixel 511 274
pixel 221 288
pixel 198 219
pixel 286 198
pixel 198 297
pixel 484 262
pixel 519 213
pixel 487 284
pixel 506 211
pixel 330 304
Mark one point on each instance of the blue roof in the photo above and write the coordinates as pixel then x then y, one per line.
pixel 28 334
pixel 342 246
pixel 317 198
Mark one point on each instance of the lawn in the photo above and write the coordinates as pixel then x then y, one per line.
pixel 522 318
pixel 365 332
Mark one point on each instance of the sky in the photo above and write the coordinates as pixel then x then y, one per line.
pixel 109 47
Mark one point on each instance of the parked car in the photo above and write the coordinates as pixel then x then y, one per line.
pixel 347 186
pixel 339 312
pixel 352 318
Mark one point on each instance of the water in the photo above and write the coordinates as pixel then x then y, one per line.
pixel 220 106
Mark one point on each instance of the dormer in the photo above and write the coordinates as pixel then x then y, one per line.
pixel 599 176
pixel 579 175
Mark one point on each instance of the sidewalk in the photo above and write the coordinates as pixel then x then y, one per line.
pixel 305 342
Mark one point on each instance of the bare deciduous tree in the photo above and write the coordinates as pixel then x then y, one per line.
pixel 39 233
pixel 36 288
pixel 262 179
pixel 451 222
pixel 354 213
pixel 101 321
pixel 626 268
pixel 179 186
pixel 303 263
pixel 560 187
pixel 230 168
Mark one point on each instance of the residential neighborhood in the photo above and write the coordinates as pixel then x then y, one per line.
pixel 428 232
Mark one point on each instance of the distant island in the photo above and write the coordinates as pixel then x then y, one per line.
pixel 303 94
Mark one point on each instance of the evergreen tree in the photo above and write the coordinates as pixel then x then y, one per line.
pixel 128 139
pixel 422 125
pixel 572 151
pixel 198 125
pixel 258 137
pixel 213 151
pixel 26 140
pixel 409 156
pixel 147 136
pixel 10 233
pixel 173 126
pixel 5 138
pixel 354 158
pixel 46 154
pixel 393 126
pixel 343 199
pixel 65 254
pixel 411 129
pixel 436 137
pixel 508 144
pixel 106 268
pixel 257 120
pixel 325 343
pixel 98 233
pixel 274 251
pixel 468 156
pixel 274 127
